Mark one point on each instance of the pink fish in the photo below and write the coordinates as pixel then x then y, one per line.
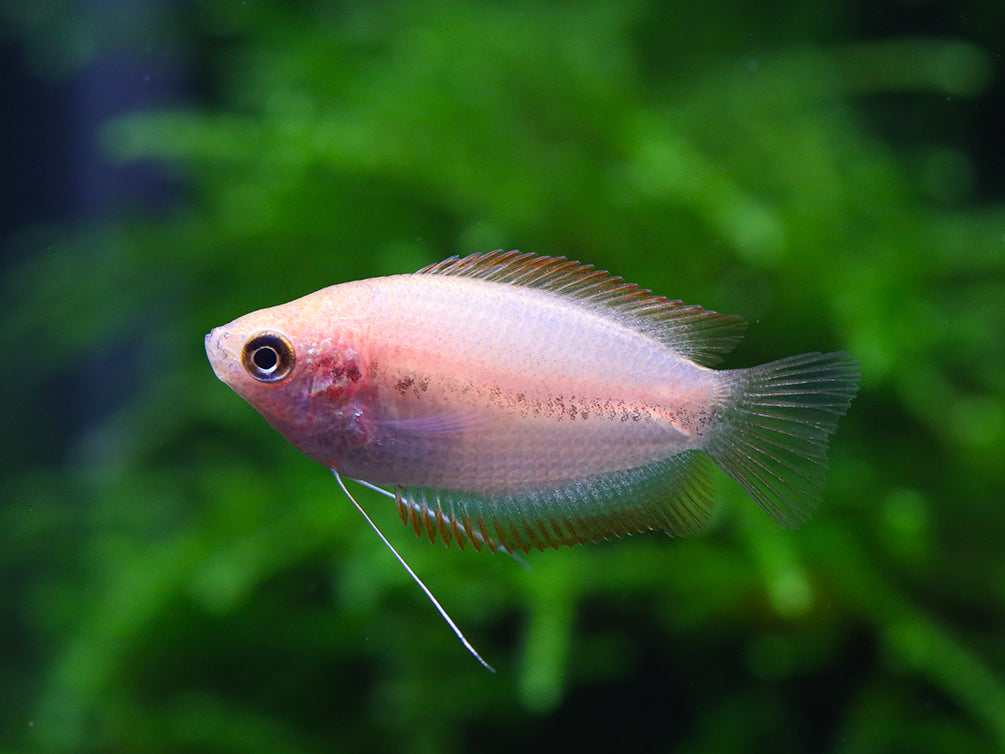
pixel 514 401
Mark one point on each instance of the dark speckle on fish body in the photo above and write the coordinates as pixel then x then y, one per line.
pixel 403 384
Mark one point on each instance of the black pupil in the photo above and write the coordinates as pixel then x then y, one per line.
pixel 266 358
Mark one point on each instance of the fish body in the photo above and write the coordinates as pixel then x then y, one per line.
pixel 518 401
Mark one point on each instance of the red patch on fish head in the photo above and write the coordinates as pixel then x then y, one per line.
pixel 335 370
pixel 318 388
pixel 324 408
pixel 332 415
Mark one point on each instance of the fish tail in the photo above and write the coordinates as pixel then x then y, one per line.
pixel 778 419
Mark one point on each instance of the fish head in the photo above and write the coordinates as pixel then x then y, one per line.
pixel 301 366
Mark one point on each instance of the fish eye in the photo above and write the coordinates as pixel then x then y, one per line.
pixel 268 357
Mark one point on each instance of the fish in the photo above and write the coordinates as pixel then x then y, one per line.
pixel 515 402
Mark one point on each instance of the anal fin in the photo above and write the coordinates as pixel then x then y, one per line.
pixel 673 495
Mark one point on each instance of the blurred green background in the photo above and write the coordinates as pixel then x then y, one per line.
pixel 175 577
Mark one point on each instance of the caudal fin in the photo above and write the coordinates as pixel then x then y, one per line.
pixel 774 433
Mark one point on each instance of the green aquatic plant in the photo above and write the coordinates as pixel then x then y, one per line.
pixel 179 579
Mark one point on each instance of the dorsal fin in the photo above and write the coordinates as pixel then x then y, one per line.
pixel 695 333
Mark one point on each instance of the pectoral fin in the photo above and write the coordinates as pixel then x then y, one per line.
pixel 434 424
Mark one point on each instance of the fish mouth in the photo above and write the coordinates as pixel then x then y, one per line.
pixel 219 355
